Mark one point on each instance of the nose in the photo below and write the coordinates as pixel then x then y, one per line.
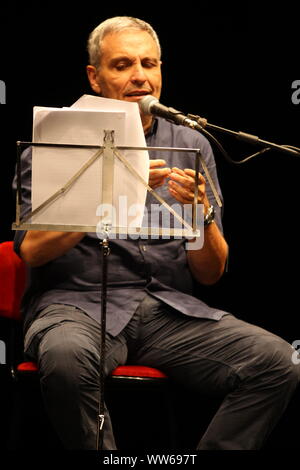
pixel 138 74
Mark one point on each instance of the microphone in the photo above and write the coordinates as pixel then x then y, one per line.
pixel 150 105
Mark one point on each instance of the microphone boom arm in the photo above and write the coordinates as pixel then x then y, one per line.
pixel 245 137
pixel 150 105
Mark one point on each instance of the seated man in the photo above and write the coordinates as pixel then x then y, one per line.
pixel 152 317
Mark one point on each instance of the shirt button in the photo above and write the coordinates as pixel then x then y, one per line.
pixel 144 248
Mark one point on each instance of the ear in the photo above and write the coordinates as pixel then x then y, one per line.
pixel 92 76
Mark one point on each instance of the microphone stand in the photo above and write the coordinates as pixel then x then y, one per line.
pixel 198 123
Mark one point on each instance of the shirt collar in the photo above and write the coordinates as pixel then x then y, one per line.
pixel 153 128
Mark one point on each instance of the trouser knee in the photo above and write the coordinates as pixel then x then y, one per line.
pixel 275 358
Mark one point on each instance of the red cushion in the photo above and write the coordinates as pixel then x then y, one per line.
pixel 138 371
pixel 12 281
pixel 121 371
pixel 27 366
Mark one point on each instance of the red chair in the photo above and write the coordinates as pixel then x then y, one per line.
pixel 12 285
pixel 12 281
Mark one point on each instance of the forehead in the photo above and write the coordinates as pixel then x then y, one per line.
pixel 128 42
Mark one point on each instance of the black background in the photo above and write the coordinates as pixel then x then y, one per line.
pixel 233 66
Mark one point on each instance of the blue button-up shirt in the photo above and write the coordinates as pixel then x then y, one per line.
pixel 135 267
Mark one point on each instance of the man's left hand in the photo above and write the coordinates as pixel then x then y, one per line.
pixel 182 186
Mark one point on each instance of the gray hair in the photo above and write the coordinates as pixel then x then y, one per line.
pixel 114 25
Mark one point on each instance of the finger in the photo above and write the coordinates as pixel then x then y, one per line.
pixel 179 171
pixel 190 172
pixel 158 177
pixel 156 185
pixel 157 163
pixel 186 195
pixel 178 197
pixel 187 172
pixel 156 180
pixel 164 172
pixel 186 181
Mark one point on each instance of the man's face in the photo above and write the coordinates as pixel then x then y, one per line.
pixel 130 68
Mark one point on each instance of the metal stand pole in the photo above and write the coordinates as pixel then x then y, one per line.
pixel 101 417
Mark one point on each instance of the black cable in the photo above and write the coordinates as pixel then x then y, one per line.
pixel 226 155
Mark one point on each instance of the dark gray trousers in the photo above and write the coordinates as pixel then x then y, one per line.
pixel 251 367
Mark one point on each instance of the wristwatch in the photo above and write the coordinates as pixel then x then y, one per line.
pixel 210 216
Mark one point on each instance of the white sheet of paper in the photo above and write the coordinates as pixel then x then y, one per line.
pixel 82 124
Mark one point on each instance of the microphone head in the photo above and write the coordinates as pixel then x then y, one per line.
pixel 146 103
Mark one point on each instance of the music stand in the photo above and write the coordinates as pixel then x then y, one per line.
pixel 108 152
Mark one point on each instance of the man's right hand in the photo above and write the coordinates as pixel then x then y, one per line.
pixel 157 174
